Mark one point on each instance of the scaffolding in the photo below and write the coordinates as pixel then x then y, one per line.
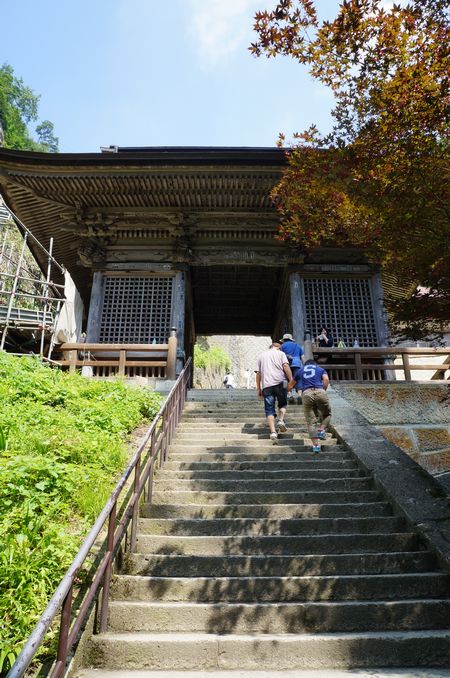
pixel 30 302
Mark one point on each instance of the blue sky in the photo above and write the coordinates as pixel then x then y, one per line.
pixel 152 73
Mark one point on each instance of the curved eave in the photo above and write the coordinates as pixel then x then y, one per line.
pixel 45 190
pixel 156 156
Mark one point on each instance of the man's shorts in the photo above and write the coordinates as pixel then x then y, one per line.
pixel 272 393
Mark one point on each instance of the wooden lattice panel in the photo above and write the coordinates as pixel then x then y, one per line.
pixel 136 310
pixel 345 305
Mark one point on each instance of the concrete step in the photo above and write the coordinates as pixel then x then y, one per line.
pixel 261 475
pixel 265 526
pixel 263 484
pixel 250 589
pixel 317 462
pixel 267 511
pixel 209 651
pixel 284 440
pixel 176 565
pixel 235 498
pixel 279 545
pixel 279 617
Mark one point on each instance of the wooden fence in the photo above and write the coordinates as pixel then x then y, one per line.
pixel 379 364
pixel 130 360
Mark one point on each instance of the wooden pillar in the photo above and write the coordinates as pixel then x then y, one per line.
pixel 297 310
pixel 172 354
pixel 95 308
pixel 178 316
pixel 380 315
pixel 381 322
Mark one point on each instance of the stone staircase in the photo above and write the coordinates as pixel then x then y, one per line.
pixel 261 557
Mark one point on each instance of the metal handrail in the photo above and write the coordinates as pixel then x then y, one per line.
pixel 158 439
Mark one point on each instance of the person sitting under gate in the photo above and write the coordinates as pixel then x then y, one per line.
pixel 313 381
pixel 229 381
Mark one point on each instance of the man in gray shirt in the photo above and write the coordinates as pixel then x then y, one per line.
pixel 272 373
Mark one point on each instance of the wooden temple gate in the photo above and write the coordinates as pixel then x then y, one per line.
pixel 161 238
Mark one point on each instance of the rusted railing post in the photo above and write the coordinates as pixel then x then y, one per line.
pixel 66 612
pixel 135 514
pixel 107 577
pixel 171 370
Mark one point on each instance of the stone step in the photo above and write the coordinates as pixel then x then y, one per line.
pixel 263 485
pixel 241 418
pixel 235 498
pixel 238 421
pixel 249 589
pixel 240 454
pixel 413 672
pixel 267 511
pixel 208 651
pixel 261 474
pixel 176 565
pixel 213 440
pixel 266 526
pixel 249 408
pixel 215 451
pixel 237 438
pixel 279 617
pixel 277 545
pixel 305 462
pixel 249 429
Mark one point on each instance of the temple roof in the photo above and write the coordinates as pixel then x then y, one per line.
pixel 56 194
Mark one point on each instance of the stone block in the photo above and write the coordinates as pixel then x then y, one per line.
pixel 433 438
pixel 399 436
pixel 399 403
pixel 437 462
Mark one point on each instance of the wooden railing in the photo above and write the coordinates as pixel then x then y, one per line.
pixel 378 364
pixel 106 360
pixel 118 519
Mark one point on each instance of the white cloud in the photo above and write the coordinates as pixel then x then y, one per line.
pixel 219 28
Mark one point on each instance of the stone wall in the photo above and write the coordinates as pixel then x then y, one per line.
pixel 415 417
pixel 244 352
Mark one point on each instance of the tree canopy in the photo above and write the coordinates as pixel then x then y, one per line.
pixel 19 108
pixel 380 179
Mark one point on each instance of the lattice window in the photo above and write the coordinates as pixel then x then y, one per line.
pixel 136 310
pixel 344 305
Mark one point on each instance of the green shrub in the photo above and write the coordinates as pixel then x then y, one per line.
pixel 214 358
pixel 63 443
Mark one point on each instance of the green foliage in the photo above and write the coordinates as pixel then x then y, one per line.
pixel 19 107
pixel 211 358
pixel 62 445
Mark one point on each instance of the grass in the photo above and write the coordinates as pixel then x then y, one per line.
pixel 63 443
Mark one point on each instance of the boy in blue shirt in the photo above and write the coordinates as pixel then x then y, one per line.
pixel 294 353
pixel 313 381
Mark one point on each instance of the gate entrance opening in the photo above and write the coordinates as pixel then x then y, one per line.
pixel 232 300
